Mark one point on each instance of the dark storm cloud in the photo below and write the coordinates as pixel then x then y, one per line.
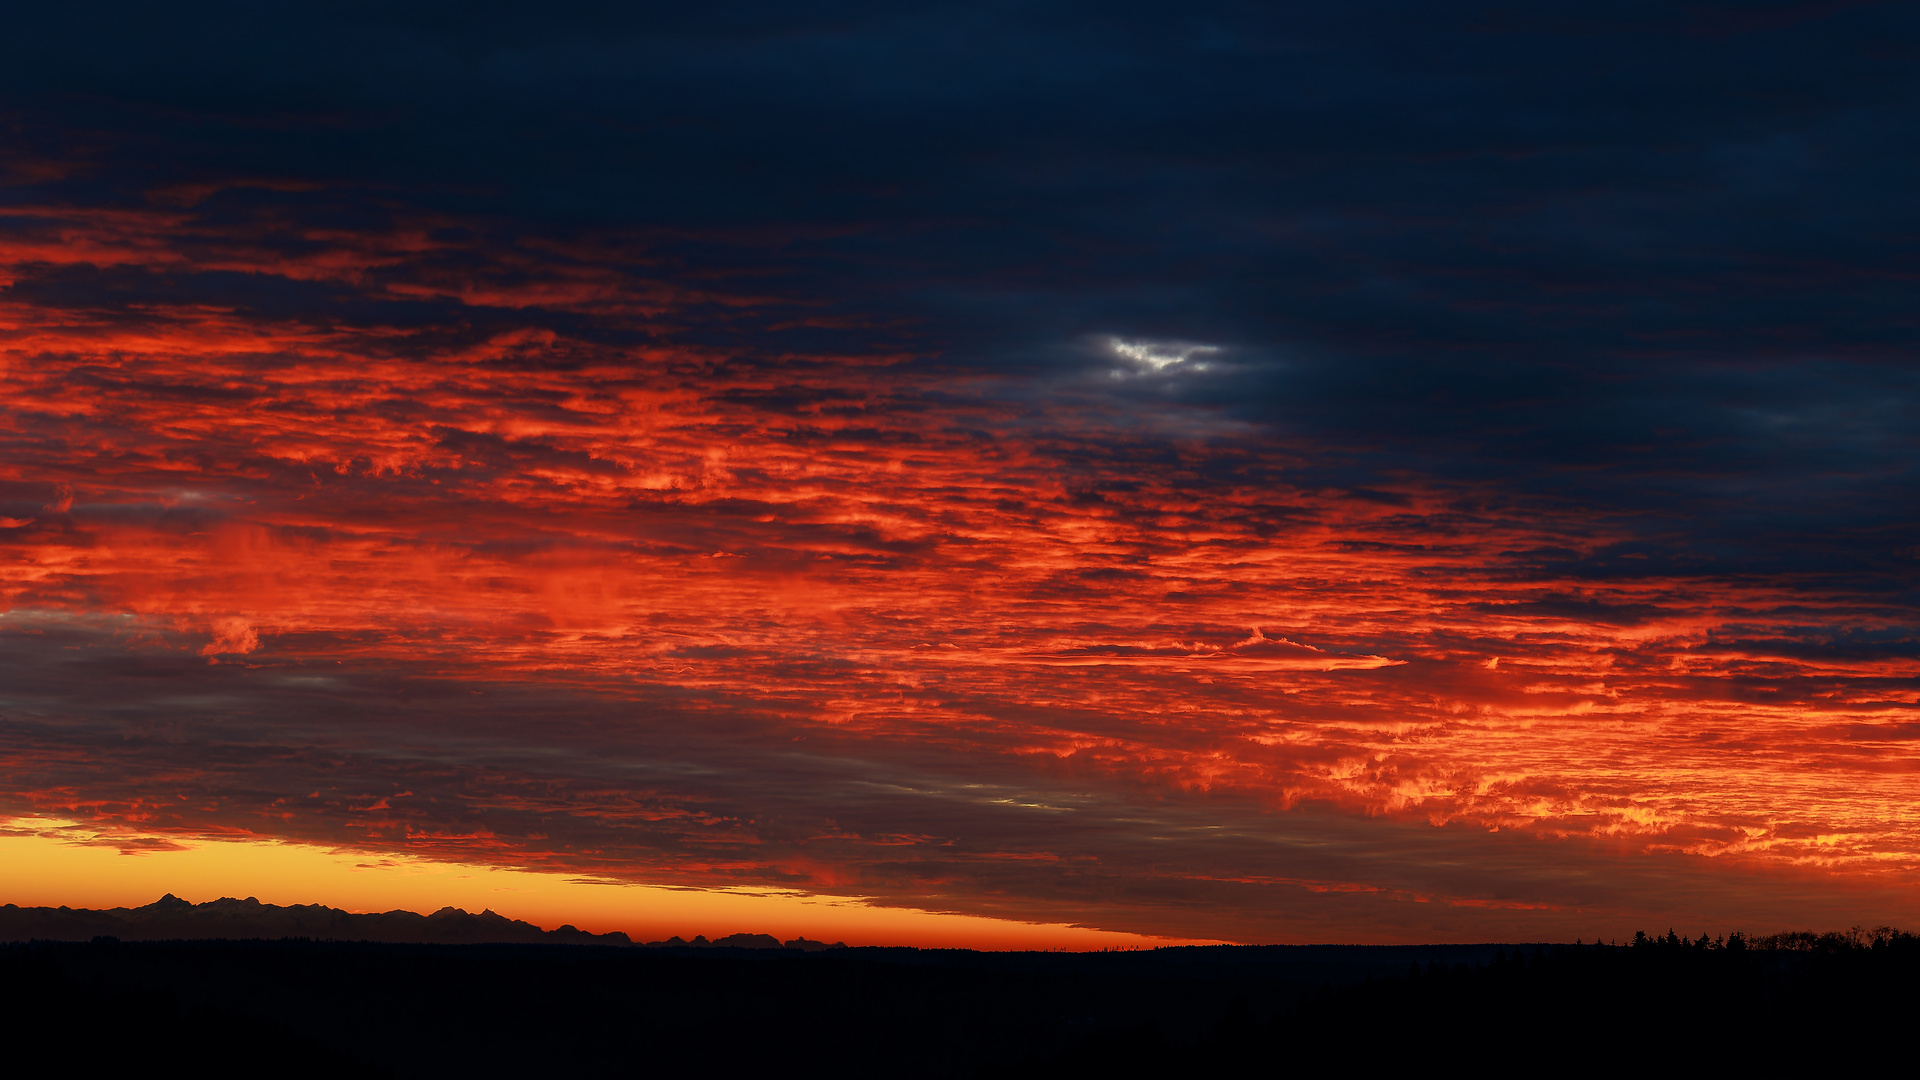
pixel 1642 258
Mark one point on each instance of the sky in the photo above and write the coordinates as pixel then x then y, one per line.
pixel 1366 472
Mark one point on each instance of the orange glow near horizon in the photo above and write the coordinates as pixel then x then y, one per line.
pixel 852 559
pixel 44 864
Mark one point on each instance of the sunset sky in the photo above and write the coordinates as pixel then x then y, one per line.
pixel 1336 472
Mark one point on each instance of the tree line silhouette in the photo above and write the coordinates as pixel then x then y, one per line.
pixel 1799 1001
pixel 300 1007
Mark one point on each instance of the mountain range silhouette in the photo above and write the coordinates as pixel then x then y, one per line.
pixel 171 918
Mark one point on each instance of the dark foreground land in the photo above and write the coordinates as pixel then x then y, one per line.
pixel 299 1007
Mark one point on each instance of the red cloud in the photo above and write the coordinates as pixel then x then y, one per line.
pixel 1012 618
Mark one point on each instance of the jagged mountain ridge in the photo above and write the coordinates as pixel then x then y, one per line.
pixel 171 918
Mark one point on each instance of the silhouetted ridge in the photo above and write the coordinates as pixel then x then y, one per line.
pixel 171 918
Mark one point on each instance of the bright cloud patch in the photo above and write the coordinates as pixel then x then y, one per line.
pixel 1162 355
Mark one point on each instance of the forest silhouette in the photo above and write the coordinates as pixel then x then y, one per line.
pixel 298 1007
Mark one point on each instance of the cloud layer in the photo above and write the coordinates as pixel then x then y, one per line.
pixel 693 452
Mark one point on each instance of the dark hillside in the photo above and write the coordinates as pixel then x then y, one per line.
pixel 225 1007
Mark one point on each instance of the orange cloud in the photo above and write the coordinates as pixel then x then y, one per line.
pixel 1008 624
